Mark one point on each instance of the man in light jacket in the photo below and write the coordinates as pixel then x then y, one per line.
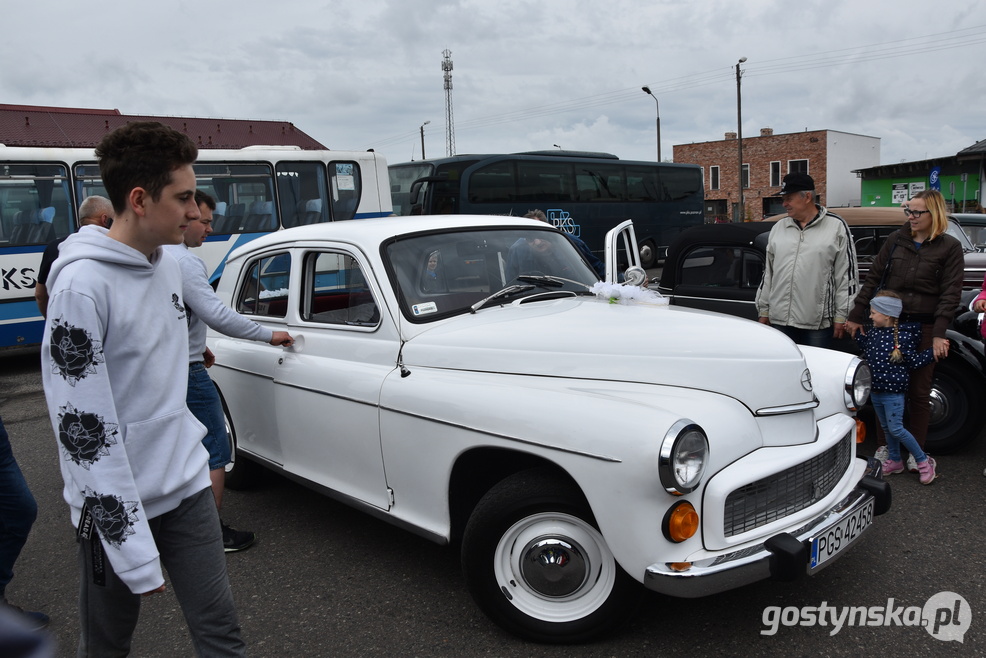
pixel 809 279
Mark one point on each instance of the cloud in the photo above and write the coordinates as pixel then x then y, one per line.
pixel 527 74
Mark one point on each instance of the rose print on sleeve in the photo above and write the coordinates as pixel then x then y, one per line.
pixel 74 353
pixel 85 437
pixel 113 516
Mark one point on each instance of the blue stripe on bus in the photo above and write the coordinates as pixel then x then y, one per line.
pixel 25 249
pixel 20 324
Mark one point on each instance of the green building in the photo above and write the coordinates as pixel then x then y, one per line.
pixel 959 177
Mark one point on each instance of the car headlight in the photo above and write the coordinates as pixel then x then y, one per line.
pixel 858 380
pixel 684 455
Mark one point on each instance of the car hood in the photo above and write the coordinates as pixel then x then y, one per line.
pixel 591 339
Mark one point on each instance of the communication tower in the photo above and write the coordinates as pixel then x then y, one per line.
pixel 449 122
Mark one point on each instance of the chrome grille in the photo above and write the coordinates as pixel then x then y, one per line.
pixel 787 492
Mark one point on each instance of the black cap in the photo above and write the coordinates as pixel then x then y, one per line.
pixel 796 183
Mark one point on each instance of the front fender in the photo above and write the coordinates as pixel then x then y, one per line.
pixel 970 350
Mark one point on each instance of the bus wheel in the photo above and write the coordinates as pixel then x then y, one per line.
pixel 648 254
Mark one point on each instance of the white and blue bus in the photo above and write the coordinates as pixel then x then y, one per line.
pixel 583 193
pixel 258 189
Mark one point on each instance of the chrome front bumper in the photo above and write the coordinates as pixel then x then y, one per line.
pixel 784 556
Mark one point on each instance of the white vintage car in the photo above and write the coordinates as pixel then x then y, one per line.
pixel 457 376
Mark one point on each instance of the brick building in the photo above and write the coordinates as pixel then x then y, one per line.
pixel 33 125
pixel 828 156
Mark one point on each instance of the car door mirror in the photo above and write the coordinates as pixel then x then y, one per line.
pixel 635 276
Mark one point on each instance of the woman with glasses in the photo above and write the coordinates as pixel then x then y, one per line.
pixel 924 265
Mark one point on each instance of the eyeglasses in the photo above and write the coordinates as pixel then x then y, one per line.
pixel 914 213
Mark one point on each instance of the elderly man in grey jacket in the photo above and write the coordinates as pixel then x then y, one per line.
pixel 810 278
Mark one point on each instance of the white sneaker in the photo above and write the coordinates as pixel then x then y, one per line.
pixel 912 464
pixel 882 454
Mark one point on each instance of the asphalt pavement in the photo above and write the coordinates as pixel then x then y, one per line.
pixel 326 580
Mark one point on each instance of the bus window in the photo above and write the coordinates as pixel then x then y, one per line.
pixel 88 182
pixel 246 192
pixel 346 183
pixel 35 204
pixel 545 182
pixel 301 193
pixel 401 179
pixel 494 183
pixel 600 182
pixel 642 185
pixel 680 183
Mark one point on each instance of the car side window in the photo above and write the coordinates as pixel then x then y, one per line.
pixel 336 291
pixel 264 288
pixel 721 267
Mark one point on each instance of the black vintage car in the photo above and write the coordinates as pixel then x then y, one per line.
pixel 718 267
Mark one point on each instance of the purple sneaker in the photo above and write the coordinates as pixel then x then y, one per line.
pixel 927 470
pixel 890 467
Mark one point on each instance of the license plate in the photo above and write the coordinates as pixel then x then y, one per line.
pixel 837 538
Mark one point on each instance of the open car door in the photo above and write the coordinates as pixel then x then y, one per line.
pixel 621 249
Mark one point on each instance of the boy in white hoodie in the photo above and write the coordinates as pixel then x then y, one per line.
pixel 115 372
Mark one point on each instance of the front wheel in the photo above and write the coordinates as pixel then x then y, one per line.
pixel 537 565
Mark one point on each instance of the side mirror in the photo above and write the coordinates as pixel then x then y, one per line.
pixel 415 190
pixel 635 276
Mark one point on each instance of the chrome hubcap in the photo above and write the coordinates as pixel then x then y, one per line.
pixel 553 567
pixel 939 406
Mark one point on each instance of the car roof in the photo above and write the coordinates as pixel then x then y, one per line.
pixel 970 218
pixel 372 232
pixel 870 215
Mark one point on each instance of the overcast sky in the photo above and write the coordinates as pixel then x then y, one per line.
pixel 528 74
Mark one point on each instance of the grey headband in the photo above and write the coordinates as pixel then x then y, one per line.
pixel 887 305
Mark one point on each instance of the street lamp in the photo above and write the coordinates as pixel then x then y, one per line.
pixel 556 146
pixel 423 138
pixel 658 106
pixel 739 136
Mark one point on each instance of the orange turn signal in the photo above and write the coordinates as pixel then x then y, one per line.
pixel 860 431
pixel 681 522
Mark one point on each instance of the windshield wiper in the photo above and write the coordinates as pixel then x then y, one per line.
pixel 548 281
pixel 503 292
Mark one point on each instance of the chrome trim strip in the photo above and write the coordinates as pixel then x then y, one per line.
pixel 787 408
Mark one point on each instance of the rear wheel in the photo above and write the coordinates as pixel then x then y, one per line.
pixel 538 566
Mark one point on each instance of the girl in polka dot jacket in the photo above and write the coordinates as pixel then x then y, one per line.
pixel 891 349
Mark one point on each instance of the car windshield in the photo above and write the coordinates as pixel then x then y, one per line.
pixel 442 274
